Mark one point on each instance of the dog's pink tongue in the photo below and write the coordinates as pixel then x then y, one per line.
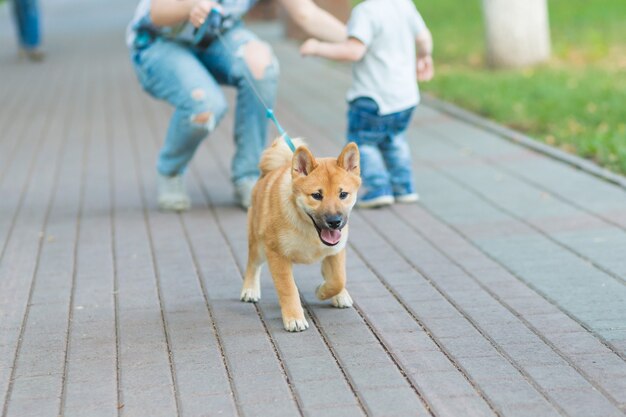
pixel 331 236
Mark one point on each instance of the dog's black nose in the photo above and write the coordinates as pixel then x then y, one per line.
pixel 334 221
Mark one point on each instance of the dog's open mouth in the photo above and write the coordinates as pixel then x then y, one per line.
pixel 329 237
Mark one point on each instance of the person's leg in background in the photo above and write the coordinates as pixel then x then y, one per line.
pixel 26 14
pixel 172 72
pixel 245 62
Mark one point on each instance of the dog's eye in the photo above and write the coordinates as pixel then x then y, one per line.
pixel 317 196
pixel 343 195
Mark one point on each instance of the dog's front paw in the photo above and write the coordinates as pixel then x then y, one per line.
pixel 250 295
pixel 342 300
pixel 322 293
pixel 295 325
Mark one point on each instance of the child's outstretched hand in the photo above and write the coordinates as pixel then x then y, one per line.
pixel 425 68
pixel 310 47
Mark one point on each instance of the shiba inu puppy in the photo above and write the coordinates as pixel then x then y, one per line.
pixel 299 214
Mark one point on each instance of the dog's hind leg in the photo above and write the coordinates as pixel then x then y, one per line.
pixel 334 286
pixel 251 291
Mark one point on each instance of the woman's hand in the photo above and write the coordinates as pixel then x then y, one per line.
pixel 201 10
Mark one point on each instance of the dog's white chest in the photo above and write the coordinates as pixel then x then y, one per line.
pixel 310 249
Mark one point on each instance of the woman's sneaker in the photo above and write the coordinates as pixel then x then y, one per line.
pixel 172 193
pixel 243 191
pixel 407 198
pixel 374 199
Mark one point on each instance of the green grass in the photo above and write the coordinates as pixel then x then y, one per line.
pixel 577 101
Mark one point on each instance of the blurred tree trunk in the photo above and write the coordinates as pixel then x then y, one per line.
pixel 517 32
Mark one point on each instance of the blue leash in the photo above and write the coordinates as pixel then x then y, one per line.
pixel 214 20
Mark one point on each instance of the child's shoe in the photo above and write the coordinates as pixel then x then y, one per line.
pixel 374 199
pixel 407 198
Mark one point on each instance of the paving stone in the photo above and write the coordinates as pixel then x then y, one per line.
pixel 425 362
pixel 456 406
pixel 518 400
pixel 325 411
pixel 444 382
pixel 489 368
pixel 323 393
pixel 580 402
pixel 468 347
pixel 397 401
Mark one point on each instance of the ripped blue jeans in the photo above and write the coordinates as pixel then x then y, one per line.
pixel 386 165
pixel 189 79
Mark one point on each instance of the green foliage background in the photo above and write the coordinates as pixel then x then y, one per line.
pixel 577 101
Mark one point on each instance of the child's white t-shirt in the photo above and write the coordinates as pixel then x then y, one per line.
pixel 387 72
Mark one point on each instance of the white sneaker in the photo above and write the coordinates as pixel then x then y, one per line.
pixel 243 191
pixel 172 193
pixel 407 198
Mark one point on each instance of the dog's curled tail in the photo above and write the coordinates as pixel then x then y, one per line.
pixel 277 155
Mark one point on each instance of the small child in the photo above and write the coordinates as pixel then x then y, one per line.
pixel 391 48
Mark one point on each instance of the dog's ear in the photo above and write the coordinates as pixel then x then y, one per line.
pixel 349 159
pixel 302 163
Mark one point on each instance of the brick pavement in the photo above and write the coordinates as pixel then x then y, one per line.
pixel 503 293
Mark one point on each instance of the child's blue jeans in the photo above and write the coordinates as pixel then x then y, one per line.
pixel 26 15
pixel 385 156
pixel 189 79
